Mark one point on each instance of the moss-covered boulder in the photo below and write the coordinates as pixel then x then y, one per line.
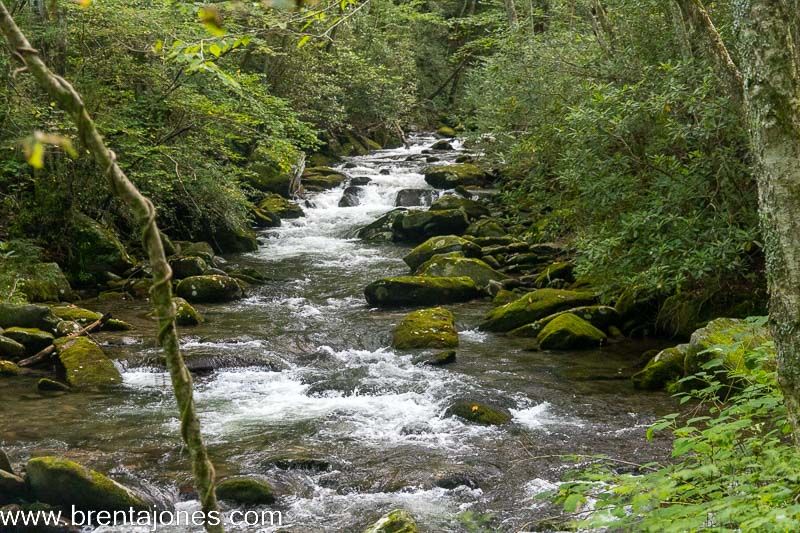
pixel 85 364
pixel 12 488
pixel 28 316
pixel 187 265
pixel 230 239
pixel 414 197
pixel 280 206
pixel 504 296
pixel 435 359
pixel 738 336
pixel 665 367
pixel 452 176
pixel 486 228
pixel 199 249
pixel 185 314
pixel 569 332
pixel 479 413
pixel 397 521
pixel 66 483
pixel 444 244
pixel 560 270
pixel 10 349
pixel 270 170
pixel 534 306
pixel 8 368
pixel 446 131
pixel 34 340
pixel 454 266
pixel 96 249
pixel 472 208
pixel 264 219
pixel 84 317
pixel 209 289
pixel 322 178
pixel 420 290
pixel 43 282
pixel 245 491
pixel 417 226
pixel 381 228
pixel 602 317
pixel 426 328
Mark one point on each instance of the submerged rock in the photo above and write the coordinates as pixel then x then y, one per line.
pixel 85 364
pixel 414 197
pixel 437 359
pixel 420 290
pixel 209 289
pixel 665 367
pixel 350 196
pixel 66 483
pixel 534 306
pixel 569 332
pixel 451 176
pixel 279 206
pixel 439 245
pixel 479 413
pixel 453 266
pixel 28 316
pixel 416 226
pixel 397 521
pixel 426 328
pixel 245 491
pixel 51 385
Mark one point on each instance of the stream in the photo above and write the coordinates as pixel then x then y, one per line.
pixel 297 383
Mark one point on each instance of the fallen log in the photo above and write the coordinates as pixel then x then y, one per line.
pixel 42 355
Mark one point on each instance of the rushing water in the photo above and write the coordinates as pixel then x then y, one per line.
pixel 297 383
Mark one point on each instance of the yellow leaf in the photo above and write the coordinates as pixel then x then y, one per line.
pixel 158 46
pixel 475 408
pixel 34 154
pixel 84 3
pixel 303 41
pixel 211 20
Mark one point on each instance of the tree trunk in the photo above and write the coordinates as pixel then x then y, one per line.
pixel 511 13
pixel 771 91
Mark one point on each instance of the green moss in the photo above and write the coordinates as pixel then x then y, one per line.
pixel 196 249
pixel 322 178
pixel 184 266
pixel 7 368
pixel 439 245
pixel 32 339
pixel 96 249
pixel 11 348
pixel 234 239
pixel 185 314
pixel 451 176
pixel 420 290
pixel 65 483
pixel 486 228
pixel 43 282
pixel 472 208
pixel 560 270
pixel 85 317
pixel 504 297
pixel 426 328
pixel 85 364
pixel 280 206
pixel 453 266
pixel 479 413
pixel 245 490
pixel 600 316
pixel 417 226
pixel 50 385
pixel 737 335
pixel 664 368
pixel 381 228
pixel 533 306
pixel 446 131
pixel 568 332
pixel 209 289
pixel 397 521
pixel 27 316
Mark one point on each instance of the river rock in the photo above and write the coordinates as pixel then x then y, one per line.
pixel 738 335
pixel 43 282
pixel 196 249
pixel 9 348
pixel 85 364
pixel 96 249
pixel 245 491
pixel 84 317
pixel 51 385
pixel 426 328
pixel 397 521
pixel 442 145
pixel 569 332
pixel 360 181
pixel 185 314
pixel 561 270
pixel 209 289
pixel 665 367
pixel 486 227
pixel 322 178
pixel 12 487
pixel 602 317
pixel 279 206
pixel 381 228
pixel 416 226
pixel 446 131
pixel 350 196
pixel 533 306
pixel 473 209
pixel 187 266
pixel 414 197
pixel 66 483
pixel 34 340
pixel 230 239
pixel 5 463
pixel 7 368
pixel 450 265
pixel 444 244
pixel 451 176
pixel 264 219
pixel 420 290
pixel 479 413
pixel 27 316
pixel 436 359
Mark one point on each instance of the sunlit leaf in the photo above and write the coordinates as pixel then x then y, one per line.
pixel 211 20
pixel 303 41
pixel 34 154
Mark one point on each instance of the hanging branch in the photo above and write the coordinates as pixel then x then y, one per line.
pixel 70 101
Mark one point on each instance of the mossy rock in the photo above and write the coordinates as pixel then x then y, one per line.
pixel 569 332
pixel 453 266
pixel 479 413
pixel 452 176
pixel 44 282
pixel 185 266
pixel 665 367
pixel 420 290
pixel 486 228
pixel 533 306
pixel 7 368
pixel 442 358
pixel 737 335
pixel 84 317
pixel 199 249
pixel 397 521
pixel 381 228
pixel 322 178
pixel 264 219
pixel 34 340
pixel 637 306
pixel 446 131
pixel 66 483
pixel 10 348
pixel 12 488
pixel 444 244
pixel 472 208
pixel 245 491
pixel 209 289
pixel 96 249
pixel 504 296
pixel 602 317
pixel 228 239
pixel 417 226
pixel 426 328
pixel 28 316
pixel 560 270
pixel 270 170
pixel 85 364
pixel 280 206
pixel 185 314
pixel 51 385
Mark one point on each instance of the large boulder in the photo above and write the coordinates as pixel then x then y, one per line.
pixel 32 339
pixel 473 209
pixel 276 204
pixel 66 483
pixel 479 413
pixel 420 290
pixel 185 314
pixel 665 367
pixel 381 228
pixel 245 491
pixel 199 249
pixel 600 316
pixel 487 228
pixel 569 332
pixel 451 265
pixel 322 178
pixel 426 328
pixel 444 244
pixel 96 249
pixel 414 197
pixel 209 289
pixel 269 171
pixel 187 266
pixel 84 317
pixel 561 270
pixel 397 521
pixel 534 306
pixel 44 282
pixel 451 176
pixel 85 364
pixel 231 239
pixel 350 196
pixel 28 316
pixel 737 335
pixel 416 226
pixel 10 349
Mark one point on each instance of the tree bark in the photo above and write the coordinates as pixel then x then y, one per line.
pixel 771 92
pixel 511 13
pixel 70 101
